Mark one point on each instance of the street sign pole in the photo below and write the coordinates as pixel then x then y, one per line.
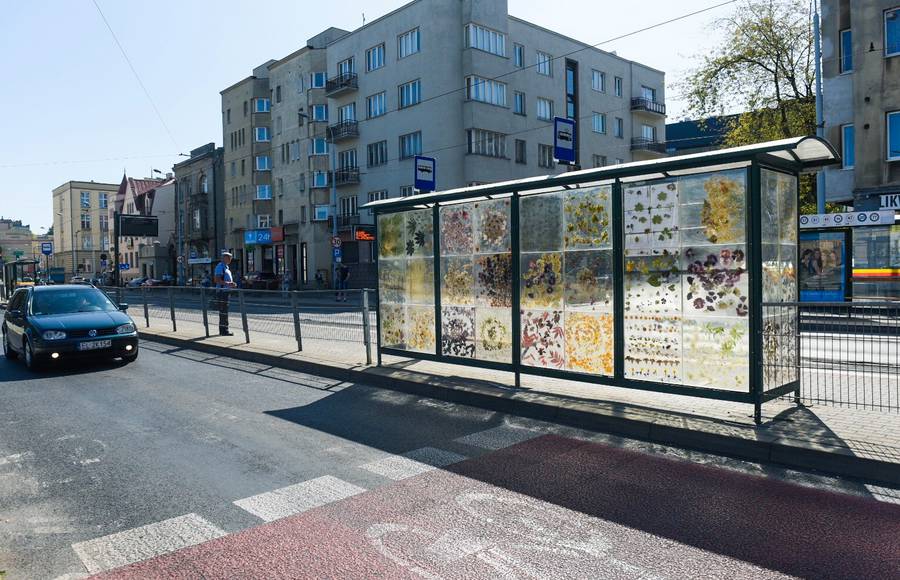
pixel 116 276
pixel 425 174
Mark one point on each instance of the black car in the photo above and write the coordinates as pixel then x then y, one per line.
pixel 55 323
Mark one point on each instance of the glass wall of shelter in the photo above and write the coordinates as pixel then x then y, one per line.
pixel 677 275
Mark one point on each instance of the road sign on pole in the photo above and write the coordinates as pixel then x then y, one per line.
pixel 564 140
pixel 426 177
pixel 46 248
pixel 336 242
pixel 338 255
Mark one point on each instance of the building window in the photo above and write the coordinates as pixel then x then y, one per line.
pixel 86 199
pixel 204 184
pixel 407 190
pixel 485 39
pixel 377 153
pixel 519 55
pixel 196 220
pixel 544 64
pixel 104 222
pixel 245 108
pixel 317 80
pixel 619 130
pixel 410 145
pixel 348 206
pixel 320 213
pixel 410 93
pixel 347 113
pixel 618 86
pixel 264 221
pixel 320 179
pixel 347 66
pixel 228 116
pixel 598 120
pixel 262 134
pixel 648 132
pixel 598 81
pixel 104 200
pixel 85 221
pixel 262 106
pixel 544 109
pixel 619 161
pixel 263 192
pixel 892 32
pixel 375 58
pixel 648 93
pixel 377 196
pixel 487 143
pixel 320 113
pixel 263 163
pixel 486 91
pixel 278 94
pixel 545 155
pixel 521 152
pixel 846 50
pixel 279 125
pixel 893 136
pixel 294 151
pixel 318 147
pixel 87 243
pixel 848 146
pixel 519 103
pixel 408 43
pixel 599 160
pixel 376 105
pixel 347 159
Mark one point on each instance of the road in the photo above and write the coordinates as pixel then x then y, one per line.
pixel 184 465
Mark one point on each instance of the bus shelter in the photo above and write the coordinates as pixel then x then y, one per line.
pixel 677 275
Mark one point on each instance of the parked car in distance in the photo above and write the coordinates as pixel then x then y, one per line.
pixel 136 282
pixel 262 281
pixel 155 282
pixel 46 324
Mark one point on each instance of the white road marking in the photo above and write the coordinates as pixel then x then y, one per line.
pixel 498 437
pixel 139 544
pixel 293 499
pixel 398 467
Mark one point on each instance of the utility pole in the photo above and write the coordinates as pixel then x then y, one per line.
pixel 334 223
pixel 820 114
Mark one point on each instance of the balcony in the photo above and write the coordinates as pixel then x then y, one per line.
pixel 344 130
pixel 343 83
pixel 648 106
pixel 649 145
pixel 347 221
pixel 346 176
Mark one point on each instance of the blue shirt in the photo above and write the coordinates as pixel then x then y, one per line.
pixel 223 272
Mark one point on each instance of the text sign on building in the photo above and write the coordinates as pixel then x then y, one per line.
pixel 564 140
pixel 843 220
pixel 138 226
pixel 426 173
pixel 261 237
pixel 890 201
pixel 46 248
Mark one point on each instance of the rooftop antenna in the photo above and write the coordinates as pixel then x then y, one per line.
pixel 364 18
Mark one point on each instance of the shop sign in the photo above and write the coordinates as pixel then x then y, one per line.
pixel 193 261
pixel 848 219
pixel 278 234
pixel 364 236
pixel 890 201
pixel 262 237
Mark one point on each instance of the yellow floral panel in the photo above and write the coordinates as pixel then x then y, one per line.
pixel 589 343
pixel 420 333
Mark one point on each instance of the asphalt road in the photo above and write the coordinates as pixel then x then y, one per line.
pixel 185 465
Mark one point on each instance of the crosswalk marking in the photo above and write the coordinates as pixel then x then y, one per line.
pixel 138 544
pixel 293 499
pixel 398 467
pixel 498 437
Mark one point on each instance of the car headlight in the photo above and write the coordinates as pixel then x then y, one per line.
pixel 53 335
pixel 126 328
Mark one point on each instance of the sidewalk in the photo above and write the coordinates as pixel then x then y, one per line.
pixel 845 442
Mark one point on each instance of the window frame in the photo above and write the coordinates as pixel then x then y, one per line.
pixel 520 97
pixel 371 99
pixel 537 109
pixel 518 55
pixel 486 88
pixel 548 61
pixel 542 149
pixel 404 155
pixel 400 41
pixel 323 75
pixel 484 33
pixel 259 166
pixel 418 83
pixel 619 86
pixel 887 132
pixel 264 187
pixel 619 128
pixel 486 143
pixel 381 150
pixel 602 116
pixel 844 128
pixel 266 102
pixel 374 51
pixel 896 11
pixel 256 132
pixel 842 54
pixel 598 74
pixel 319 107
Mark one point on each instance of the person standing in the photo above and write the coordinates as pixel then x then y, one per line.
pixel 343 275
pixel 224 282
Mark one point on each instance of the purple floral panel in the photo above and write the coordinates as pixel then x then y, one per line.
pixel 716 282
pixel 543 339
pixel 457 236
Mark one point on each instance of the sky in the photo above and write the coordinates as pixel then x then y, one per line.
pixel 73 109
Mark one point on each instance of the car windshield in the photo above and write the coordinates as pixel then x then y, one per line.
pixel 70 300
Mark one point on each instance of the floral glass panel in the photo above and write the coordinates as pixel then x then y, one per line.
pixel 589 342
pixel 653 348
pixel 716 353
pixel 542 284
pixel 589 280
pixel 393 326
pixel 493 334
pixel 457 281
pixel 391 236
pixel 780 348
pixel 713 208
pixel 492 226
pixel 651 216
pixel 588 214
pixel 541 223
pixel 457 235
pixel 543 339
pixel 458 331
pixel 493 280
pixel 419 233
pixel 420 276
pixel 420 329
pixel 653 284
pixel 392 281
pixel 716 281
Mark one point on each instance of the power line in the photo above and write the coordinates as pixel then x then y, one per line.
pixel 83 161
pixel 136 75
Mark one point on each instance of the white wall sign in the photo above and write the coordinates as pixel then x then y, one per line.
pixel 890 201
pixel 843 220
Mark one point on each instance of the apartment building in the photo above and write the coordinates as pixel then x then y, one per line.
pixel 200 207
pixel 861 87
pixel 458 80
pixel 15 240
pixel 82 233
pixel 145 256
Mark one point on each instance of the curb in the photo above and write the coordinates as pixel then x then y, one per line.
pixel 578 414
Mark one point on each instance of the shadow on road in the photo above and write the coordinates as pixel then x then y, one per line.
pixel 14 371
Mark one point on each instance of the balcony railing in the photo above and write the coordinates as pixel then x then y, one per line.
pixel 344 130
pixel 345 221
pixel 644 144
pixel 344 82
pixel 346 176
pixel 648 105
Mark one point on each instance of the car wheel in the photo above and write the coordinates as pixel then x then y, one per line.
pixel 30 360
pixel 8 349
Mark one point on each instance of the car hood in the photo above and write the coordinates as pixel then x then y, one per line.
pixel 79 320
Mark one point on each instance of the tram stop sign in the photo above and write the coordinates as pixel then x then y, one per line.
pixel 46 248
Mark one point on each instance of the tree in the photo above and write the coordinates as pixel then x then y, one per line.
pixel 765 68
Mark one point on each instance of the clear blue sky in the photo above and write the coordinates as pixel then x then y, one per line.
pixel 73 109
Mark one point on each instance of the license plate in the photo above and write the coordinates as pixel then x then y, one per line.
pixel 94 345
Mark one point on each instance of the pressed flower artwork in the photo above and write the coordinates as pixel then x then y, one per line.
pixel 492 226
pixel 651 216
pixel 543 339
pixel 541 223
pixel 458 331
pixel 653 348
pixel 420 329
pixel 493 334
pixel 589 280
pixel 542 284
pixel 722 215
pixel 393 326
pixel 419 233
pixel 716 352
pixel 392 281
pixel 493 280
pixel 391 240
pixel 420 274
pixel 588 213
pixel 653 284
pixel 457 237
pixel 457 281
pixel 715 281
pixel 780 363
pixel 589 342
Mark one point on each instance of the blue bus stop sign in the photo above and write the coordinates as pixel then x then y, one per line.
pixel 425 173
pixel 46 248
pixel 338 255
pixel 564 140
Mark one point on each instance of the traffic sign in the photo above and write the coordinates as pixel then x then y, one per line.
pixel 124 266
pixel 564 140
pixel 18 254
pixel 46 248
pixel 338 255
pixel 336 242
pixel 426 173
pixel 180 259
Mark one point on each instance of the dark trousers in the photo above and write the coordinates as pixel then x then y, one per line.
pixel 222 299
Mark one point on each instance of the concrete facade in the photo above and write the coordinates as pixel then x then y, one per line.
pixel 82 226
pixel 200 212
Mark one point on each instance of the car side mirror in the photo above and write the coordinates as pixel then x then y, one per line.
pixel 123 307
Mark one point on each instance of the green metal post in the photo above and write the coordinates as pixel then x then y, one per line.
pixel 618 234
pixel 754 261
pixel 436 243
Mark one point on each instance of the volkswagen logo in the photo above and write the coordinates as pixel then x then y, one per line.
pixel 92 333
